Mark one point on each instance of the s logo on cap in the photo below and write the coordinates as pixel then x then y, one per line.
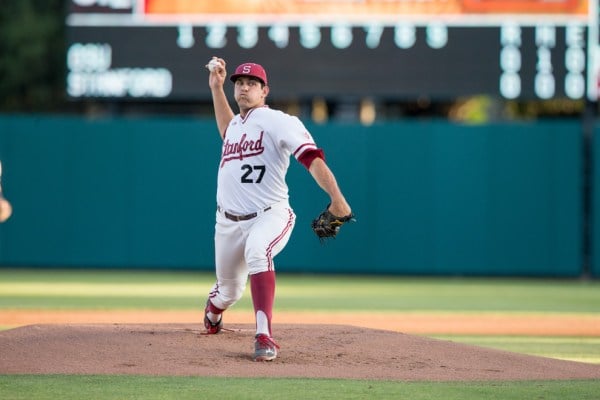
pixel 250 69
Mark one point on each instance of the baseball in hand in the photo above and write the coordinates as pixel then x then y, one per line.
pixel 213 64
pixel 5 209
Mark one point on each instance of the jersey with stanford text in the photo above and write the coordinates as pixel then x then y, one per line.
pixel 255 158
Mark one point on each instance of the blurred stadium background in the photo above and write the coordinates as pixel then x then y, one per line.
pixel 464 132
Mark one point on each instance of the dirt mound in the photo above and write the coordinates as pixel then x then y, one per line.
pixel 317 351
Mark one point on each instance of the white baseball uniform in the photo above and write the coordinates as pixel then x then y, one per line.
pixel 254 219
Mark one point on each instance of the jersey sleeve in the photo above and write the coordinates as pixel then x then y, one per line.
pixel 293 135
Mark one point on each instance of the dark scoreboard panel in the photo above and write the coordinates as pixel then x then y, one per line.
pixel 112 54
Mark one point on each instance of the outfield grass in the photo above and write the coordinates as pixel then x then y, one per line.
pixel 134 290
pixel 41 289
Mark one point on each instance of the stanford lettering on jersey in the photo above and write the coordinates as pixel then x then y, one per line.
pixel 242 149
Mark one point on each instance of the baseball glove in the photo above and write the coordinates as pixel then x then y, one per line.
pixel 327 225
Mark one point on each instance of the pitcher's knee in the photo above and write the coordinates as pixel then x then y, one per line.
pixel 228 295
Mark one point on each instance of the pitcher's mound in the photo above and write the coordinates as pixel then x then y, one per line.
pixel 316 351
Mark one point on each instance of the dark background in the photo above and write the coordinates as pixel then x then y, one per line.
pixel 416 82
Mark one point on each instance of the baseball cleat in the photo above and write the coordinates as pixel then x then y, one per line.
pixel 265 349
pixel 212 327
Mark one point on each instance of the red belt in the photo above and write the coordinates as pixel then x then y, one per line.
pixel 239 218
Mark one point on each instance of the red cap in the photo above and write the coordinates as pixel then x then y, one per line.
pixel 250 69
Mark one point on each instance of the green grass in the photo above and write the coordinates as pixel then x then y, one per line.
pixel 41 289
pixel 66 387
pixel 121 290
pixel 583 349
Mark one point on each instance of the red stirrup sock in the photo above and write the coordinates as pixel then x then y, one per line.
pixel 212 308
pixel 262 286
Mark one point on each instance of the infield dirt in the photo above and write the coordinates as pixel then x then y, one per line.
pixel 527 324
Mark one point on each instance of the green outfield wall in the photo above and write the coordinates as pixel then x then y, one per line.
pixel 595 204
pixel 431 197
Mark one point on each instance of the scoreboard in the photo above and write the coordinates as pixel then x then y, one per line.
pixel 391 49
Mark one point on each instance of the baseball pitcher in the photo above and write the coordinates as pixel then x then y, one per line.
pixel 254 219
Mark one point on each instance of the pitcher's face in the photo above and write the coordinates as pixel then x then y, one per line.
pixel 250 93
